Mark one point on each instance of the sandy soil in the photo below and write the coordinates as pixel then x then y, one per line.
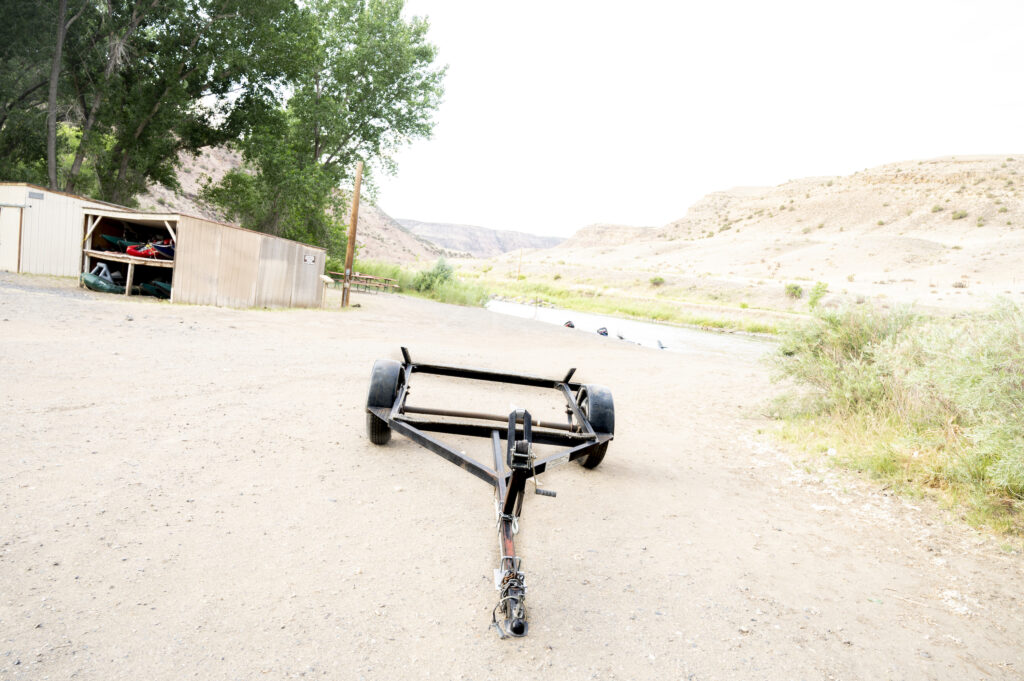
pixel 187 492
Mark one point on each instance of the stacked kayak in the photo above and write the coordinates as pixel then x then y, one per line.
pixel 160 289
pixel 98 283
pixel 164 250
pixel 119 242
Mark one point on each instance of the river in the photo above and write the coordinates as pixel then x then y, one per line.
pixel 649 334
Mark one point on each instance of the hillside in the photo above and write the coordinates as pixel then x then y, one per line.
pixel 381 237
pixel 604 235
pixel 947 232
pixel 479 242
pixel 378 235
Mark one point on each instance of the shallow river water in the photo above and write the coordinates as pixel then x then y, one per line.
pixel 649 334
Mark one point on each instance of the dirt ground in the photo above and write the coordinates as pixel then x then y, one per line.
pixel 188 492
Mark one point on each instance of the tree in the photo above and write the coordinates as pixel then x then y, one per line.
pixel 25 55
pixel 366 84
pixel 168 78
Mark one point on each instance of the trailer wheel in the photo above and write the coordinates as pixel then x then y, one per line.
pixel 596 404
pixel 382 393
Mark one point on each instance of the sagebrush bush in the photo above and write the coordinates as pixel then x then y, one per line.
pixel 835 354
pixel 952 392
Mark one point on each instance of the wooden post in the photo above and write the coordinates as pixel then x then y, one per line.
pixel 131 277
pixel 350 250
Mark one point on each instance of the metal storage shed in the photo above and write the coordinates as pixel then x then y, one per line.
pixel 44 232
pixel 214 263
pixel 40 230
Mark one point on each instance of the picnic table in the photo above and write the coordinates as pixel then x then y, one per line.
pixel 366 282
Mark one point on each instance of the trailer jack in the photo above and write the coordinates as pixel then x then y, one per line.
pixel 584 438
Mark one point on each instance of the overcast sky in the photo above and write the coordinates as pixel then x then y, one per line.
pixel 560 114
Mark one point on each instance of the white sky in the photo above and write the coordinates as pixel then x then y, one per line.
pixel 560 114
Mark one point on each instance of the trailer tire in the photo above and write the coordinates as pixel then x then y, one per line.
pixel 595 401
pixel 383 390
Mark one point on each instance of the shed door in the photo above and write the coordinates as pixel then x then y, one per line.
pixel 10 228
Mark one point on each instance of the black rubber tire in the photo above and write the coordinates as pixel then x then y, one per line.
pixel 378 431
pixel 596 403
pixel 382 393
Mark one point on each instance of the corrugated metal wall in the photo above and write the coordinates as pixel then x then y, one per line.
pixel 52 228
pixel 11 198
pixel 196 262
pixel 218 264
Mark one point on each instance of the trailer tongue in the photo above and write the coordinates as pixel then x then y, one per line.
pixel 590 426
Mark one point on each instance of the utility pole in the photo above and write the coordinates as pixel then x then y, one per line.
pixel 350 250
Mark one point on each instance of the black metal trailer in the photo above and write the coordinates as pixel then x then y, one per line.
pixel 584 437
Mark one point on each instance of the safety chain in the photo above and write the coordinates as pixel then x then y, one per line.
pixel 513 579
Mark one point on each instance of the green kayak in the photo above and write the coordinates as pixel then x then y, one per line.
pixel 100 284
pixel 119 242
pixel 156 289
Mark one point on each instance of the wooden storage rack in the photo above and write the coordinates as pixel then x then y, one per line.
pixel 88 253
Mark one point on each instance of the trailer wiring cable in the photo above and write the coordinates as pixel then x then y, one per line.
pixel 512 580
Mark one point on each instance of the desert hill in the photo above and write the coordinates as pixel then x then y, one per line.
pixel 381 237
pixel 604 235
pixel 479 242
pixel 942 231
pixel 378 235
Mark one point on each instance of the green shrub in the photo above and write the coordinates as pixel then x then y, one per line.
pixel 818 292
pixel 959 214
pixel 429 280
pixel 794 291
pixel 438 283
pixel 835 355
pixel 933 402
pixel 657 281
pixel 936 208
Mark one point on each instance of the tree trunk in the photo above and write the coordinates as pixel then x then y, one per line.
pixel 112 63
pixel 51 111
pixel 76 165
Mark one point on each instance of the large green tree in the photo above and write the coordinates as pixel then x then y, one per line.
pixel 102 96
pixel 366 84
pixel 168 76
pixel 105 97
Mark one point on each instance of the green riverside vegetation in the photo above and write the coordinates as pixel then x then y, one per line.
pixel 926 404
pixel 441 283
pixel 438 283
pixel 654 309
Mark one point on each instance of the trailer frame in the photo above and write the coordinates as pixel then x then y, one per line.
pixel 584 437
